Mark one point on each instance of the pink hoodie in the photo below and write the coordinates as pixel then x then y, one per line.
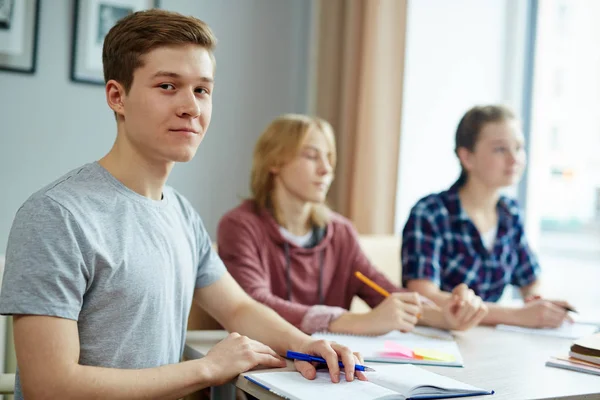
pixel 254 251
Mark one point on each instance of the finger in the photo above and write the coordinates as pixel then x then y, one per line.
pixel 361 376
pixel 461 290
pixel 553 316
pixel 557 311
pixel 563 304
pixel 331 357
pixel 569 319
pixel 348 360
pixel 359 357
pixel 463 311
pixel 306 369
pixel 263 348
pixel 268 360
pixel 410 309
pixel 411 320
pixel 532 297
pixel 472 309
pixel 410 297
pixel 477 317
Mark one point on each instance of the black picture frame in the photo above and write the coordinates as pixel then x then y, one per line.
pixel 91 21
pixel 19 31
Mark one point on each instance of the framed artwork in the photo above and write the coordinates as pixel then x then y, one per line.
pixel 19 22
pixel 92 21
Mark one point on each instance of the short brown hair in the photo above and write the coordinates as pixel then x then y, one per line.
pixel 141 32
pixel 471 124
pixel 279 144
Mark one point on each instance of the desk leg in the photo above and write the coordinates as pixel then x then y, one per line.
pixel 223 392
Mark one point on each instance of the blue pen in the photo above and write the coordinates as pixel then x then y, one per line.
pixel 292 355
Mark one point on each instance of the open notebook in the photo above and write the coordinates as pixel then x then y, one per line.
pixel 436 346
pixel 567 330
pixel 389 382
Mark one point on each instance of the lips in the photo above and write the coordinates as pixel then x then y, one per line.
pixel 184 129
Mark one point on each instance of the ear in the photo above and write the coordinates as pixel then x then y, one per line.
pixel 274 170
pixel 115 96
pixel 466 158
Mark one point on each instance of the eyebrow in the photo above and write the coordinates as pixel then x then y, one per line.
pixel 175 75
pixel 506 141
pixel 311 147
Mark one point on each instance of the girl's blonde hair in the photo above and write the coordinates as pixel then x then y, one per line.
pixel 278 145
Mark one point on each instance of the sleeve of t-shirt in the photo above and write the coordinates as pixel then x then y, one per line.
pixel 46 271
pixel 210 266
pixel 421 249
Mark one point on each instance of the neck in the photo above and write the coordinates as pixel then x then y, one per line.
pixel 476 196
pixel 142 175
pixel 292 213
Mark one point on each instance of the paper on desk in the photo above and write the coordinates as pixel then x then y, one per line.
pixel 566 331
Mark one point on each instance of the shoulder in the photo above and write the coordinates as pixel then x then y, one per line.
pixel 432 207
pixel 511 208
pixel 245 214
pixel 62 196
pixel 341 227
pixel 84 192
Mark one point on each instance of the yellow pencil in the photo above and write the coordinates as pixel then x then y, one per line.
pixel 372 284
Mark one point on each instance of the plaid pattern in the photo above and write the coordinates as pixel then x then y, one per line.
pixel 440 243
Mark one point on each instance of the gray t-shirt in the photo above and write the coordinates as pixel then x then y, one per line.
pixel 123 266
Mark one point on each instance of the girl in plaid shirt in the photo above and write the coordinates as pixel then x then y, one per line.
pixel 472 235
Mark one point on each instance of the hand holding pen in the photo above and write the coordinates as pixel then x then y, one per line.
pixel 292 355
pixel 331 353
pixel 540 313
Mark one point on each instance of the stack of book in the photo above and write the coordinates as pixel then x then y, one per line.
pixel 583 357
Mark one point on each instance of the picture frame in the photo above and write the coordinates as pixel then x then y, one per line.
pixel 92 19
pixel 19 26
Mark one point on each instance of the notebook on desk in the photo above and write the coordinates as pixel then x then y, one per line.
pixel 566 330
pixel 424 346
pixel 389 382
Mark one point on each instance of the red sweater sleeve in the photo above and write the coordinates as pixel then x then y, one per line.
pixel 361 263
pixel 239 248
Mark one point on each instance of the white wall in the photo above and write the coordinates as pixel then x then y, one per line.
pixel 50 125
pixel 459 53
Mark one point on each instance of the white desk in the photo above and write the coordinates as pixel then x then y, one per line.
pixel 511 364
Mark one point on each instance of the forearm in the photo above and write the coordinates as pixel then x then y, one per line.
pixel 432 315
pixel 251 319
pixel 498 314
pixel 431 292
pixel 352 323
pixel 531 289
pixel 85 382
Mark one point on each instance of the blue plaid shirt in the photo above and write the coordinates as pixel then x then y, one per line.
pixel 441 243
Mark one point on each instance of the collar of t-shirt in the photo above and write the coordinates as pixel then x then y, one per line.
pixel 489 238
pixel 301 241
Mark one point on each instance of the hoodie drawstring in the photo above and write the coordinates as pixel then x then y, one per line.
pixel 288 272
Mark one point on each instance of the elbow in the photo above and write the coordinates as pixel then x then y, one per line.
pixel 56 384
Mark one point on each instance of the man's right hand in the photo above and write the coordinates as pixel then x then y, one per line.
pixel 236 354
pixel 541 314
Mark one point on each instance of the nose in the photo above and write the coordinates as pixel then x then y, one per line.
pixel 325 167
pixel 189 105
pixel 514 156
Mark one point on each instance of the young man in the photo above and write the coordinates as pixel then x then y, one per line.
pixel 102 264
